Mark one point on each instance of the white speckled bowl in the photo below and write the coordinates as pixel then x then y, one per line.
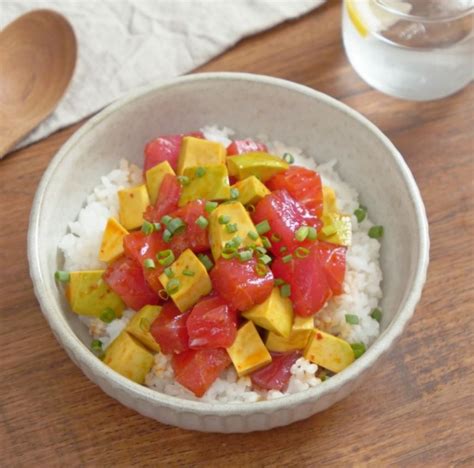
pixel 251 104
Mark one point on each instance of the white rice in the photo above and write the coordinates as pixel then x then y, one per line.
pixel 362 284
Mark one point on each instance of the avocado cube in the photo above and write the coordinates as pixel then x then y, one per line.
pixel 248 353
pixel 251 191
pixel 139 326
pixel 112 241
pixel 89 294
pixel 219 234
pixel 337 229
pixel 210 182
pixel 274 314
pixel 256 163
pixel 127 356
pixel 195 152
pixel 132 203
pixel 328 351
pixel 329 200
pixel 191 286
pixel 154 177
pixel 299 336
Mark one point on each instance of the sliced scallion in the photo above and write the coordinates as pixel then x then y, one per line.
pixel 147 228
pixel 202 222
pixel 107 315
pixel 301 252
pixel 223 219
pixel 157 226
pixel 188 272
pixel 302 233
pixel 312 233
pixel 210 206
pixel 360 213
pixel 263 227
pixel 261 269
pixel 275 237
pixel 200 172
pixel 149 264
pixel 169 272
pixel 173 286
pixel 176 226
pixel 266 242
pixel 231 228
pixel 206 261
pixel 279 282
pixel 163 294
pixel 289 158
pixel 285 290
pixel 184 180
pixel 167 235
pixel 253 235
pixel 266 259
pixel 165 257
pixel 166 219
pixel 352 319
pixel 376 314
pixel 359 349
pixel 245 255
pixel 287 258
pixel 62 276
pixel 376 232
pixel 234 193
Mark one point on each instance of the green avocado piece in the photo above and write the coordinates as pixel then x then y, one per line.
pixel 256 163
pixel 89 294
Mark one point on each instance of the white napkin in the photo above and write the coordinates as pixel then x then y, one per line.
pixel 123 44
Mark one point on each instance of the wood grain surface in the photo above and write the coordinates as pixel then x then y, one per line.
pixel 417 407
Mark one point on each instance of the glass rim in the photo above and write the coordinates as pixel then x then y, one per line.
pixel 425 19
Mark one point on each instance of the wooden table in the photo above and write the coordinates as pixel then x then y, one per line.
pixel 416 408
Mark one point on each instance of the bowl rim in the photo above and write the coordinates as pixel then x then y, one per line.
pixel 81 354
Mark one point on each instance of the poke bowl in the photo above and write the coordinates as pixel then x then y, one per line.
pixel 227 252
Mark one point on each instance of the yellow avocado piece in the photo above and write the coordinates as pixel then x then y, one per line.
pixel 337 229
pixel 89 294
pixel 196 152
pixel 298 339
pixel 191 288
pixel 219 234
pixel 127 356
pixel 256 163
pixel 251 191
pixel 132 203
pixel 328 351
pixel 274 314
pixel 154 177
pixel 112 241
pixel 248 353
pixel 213 184
pixel 139 326
pixel 329 200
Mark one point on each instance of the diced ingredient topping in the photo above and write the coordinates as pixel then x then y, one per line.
pixel 127 356
pixel 187 290
pixel 274 314
pixel 112 241
pixel 154 177
pixel 132 203
pixel 196 152
pixel 250 191
pixel 298 339
pixel 169 329
pixel 240 284
pixel 352 319
pixel 328 351
pixel 259 164
pixel 212 323
pixel 245 146
pixel 376 314
pixel 360 213
pixel 198 369
pixel 140 325
pixel 62 276
pixel 107 315
pixel 289 158
pixel 276 375
pixel 376 232
pixel 248 352
pixel 359 349
pixel 89 294
pixel 212 184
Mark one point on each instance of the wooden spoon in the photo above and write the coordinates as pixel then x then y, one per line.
pixel 37 59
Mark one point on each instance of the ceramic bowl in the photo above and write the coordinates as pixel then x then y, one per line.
pixel 250 104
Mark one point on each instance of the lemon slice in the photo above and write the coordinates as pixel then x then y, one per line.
pixel 367 16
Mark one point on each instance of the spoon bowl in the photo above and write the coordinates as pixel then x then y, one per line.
pixel 37 59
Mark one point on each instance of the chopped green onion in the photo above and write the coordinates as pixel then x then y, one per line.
pixel 263 227
pixel 260 250
pixel 166 219
pixel 275 237
pixel 157 226
pixel 62 276
pixel 261 269
pixel 250 208
pixel 206 261
pixel 188 272
pixel 202 222
pixel 285 290
pixel 302 233
pixel 176 226
pixel 376 314
pixel 287 258
pixel 169 272
pixel 253 235
pixel 301 252
pixel 328 230
pixel 352 319
pixel 149 264
pixel 312 233
pixel 163 294
pixel 96 347
pixel 107 315
pixel 210 206
pixel 359 349
pixel 323 376
pixel 360 213
pixel 245 255
pixel 172 286
pixel 279 282
pixel 229 252
pixel 145 324
pixel 200 172
pixel 234 193
pixel 266 259
pixel 147 227
pixel 223 219
pixel 165 257
pixel 234 242
pixel 266 242
pixel 167 235
pixel 376 232
pixel 184 180
pixel 289 158
pixel 231 228
pixel 283 249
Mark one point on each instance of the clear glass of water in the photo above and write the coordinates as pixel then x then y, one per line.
pixel 413 49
